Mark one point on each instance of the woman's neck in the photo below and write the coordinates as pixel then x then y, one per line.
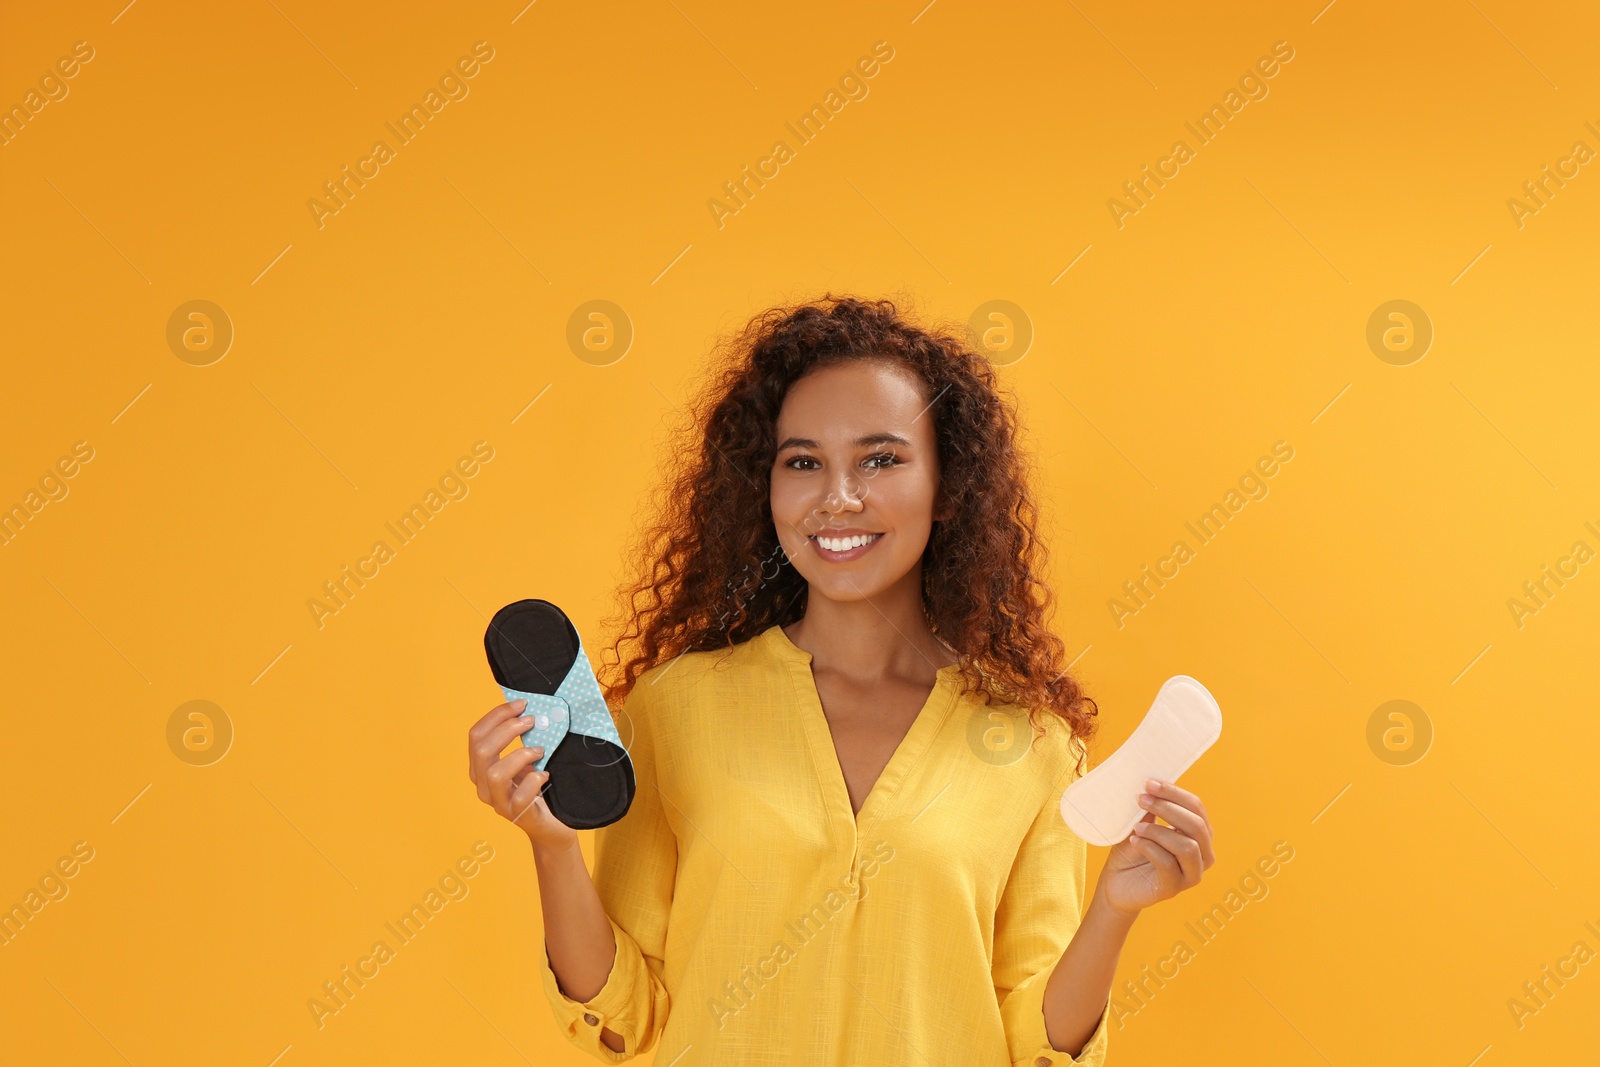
pixel 872 639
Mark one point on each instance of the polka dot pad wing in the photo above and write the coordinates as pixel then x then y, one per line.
pixel 576 707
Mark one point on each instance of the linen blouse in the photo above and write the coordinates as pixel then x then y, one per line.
pixel 760 921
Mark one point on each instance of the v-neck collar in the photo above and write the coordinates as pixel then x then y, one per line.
pixel 825 756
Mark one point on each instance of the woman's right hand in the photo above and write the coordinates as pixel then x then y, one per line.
pixel 508 783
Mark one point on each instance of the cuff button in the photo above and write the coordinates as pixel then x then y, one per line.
pixel 592 1021
pixel 1042 1061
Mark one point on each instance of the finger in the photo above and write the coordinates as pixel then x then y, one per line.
pixel 1167 791
pixel 1184 850
pixel 516 779
pixel 495 715
pixel 1159 855
pixel 1190 818
pixel 527 799
pixel 1161 870
pixel 494 742
pixel 508 732
pixel 504 770
pixel 1132 837
pixel 487 757
pixel 508 769
pixel 507 783
pixel 479 731
pixel 1182 818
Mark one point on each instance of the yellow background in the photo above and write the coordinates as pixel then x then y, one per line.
pixel 425 316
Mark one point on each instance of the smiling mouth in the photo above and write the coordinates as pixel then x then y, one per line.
pixel 839 546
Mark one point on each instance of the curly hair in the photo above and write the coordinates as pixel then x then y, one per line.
pixel 710 572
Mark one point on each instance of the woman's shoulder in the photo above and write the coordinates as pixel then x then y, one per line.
pixel 694 675
pixel 1053 751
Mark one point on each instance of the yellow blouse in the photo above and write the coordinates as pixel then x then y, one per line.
pixel 759 921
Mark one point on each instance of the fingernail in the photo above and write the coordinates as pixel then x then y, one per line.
pixel 519 703
pixel 1153 785
pixel 1145 801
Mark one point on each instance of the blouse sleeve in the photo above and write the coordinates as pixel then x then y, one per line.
pixel 1038 914
pixel 636 862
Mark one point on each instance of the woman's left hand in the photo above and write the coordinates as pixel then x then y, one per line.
pixel 1157 862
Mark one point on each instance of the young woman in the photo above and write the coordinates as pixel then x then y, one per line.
pixel 851 730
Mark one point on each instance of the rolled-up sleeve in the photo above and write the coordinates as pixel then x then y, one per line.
pixel 636 860
pixel 1038 914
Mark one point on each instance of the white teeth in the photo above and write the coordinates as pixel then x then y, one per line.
pixel 844 544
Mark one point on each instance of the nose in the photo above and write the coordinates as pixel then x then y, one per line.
pixel 844 493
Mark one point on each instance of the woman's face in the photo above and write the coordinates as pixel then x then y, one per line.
pixel 855 478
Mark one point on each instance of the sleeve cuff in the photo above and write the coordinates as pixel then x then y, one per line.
pixel 1093 1053
pixel 1024 1009
pixel 611 1008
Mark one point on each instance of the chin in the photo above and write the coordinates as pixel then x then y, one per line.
pixel 857 588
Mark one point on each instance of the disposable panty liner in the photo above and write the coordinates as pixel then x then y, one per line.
pixel 1102 807
pixel 537 656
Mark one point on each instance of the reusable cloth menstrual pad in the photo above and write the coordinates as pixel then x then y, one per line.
pixel 536 655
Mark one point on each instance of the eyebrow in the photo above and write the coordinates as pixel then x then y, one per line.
pixel 869 439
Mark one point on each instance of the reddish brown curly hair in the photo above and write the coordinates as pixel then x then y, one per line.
pixel 709 570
